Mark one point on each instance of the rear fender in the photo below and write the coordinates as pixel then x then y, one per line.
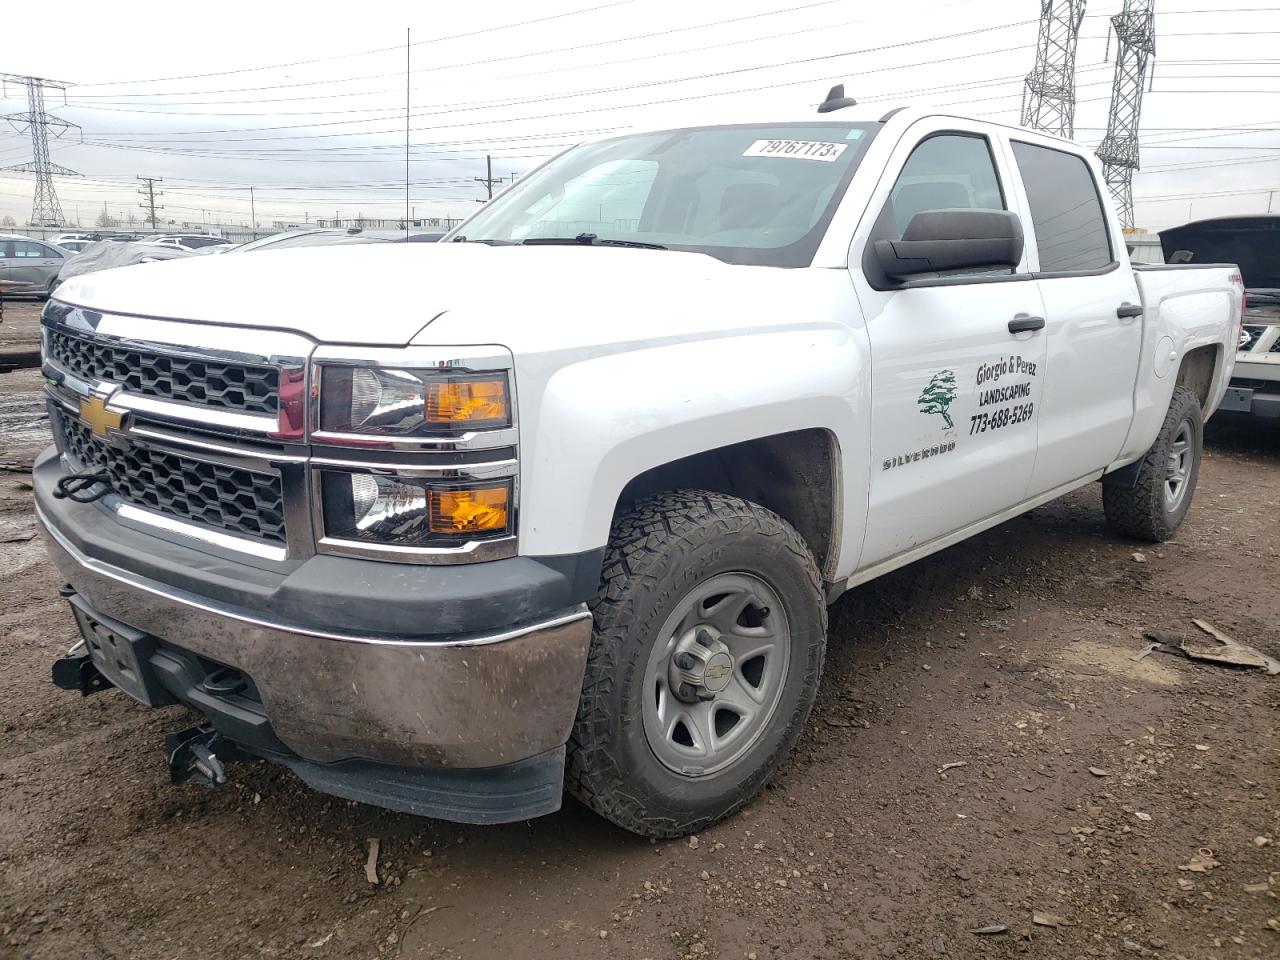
pixel 1184 311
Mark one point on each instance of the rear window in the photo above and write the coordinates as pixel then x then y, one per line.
pixel 1071 229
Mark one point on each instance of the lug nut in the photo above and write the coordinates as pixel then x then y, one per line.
pixel 703 637
pixel 686 661
pixel 687 691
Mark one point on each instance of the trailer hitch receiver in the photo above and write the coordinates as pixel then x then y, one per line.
pixel 200 754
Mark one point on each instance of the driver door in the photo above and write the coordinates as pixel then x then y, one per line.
pixel 954 391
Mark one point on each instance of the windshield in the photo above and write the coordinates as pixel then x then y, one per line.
pixel 743 194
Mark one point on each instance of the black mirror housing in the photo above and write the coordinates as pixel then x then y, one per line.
pixel 961 239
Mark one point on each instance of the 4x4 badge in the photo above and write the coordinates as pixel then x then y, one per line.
pixel 94 412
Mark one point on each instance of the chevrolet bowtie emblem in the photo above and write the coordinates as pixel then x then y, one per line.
pixel 94 412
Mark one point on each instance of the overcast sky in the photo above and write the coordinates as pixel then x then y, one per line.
pixel 309 107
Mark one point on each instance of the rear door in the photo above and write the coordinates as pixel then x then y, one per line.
pixel 954 392
pixel 1092 307
pixel 33 264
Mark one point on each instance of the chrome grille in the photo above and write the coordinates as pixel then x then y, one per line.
pixel 228 386
pixel 196 491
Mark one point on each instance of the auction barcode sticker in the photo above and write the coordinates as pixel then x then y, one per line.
pixel 798 149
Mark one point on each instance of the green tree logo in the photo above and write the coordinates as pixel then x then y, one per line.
pixel 939 395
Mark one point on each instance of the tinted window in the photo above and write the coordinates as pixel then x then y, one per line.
pixel 26 248
pixel 943 173
pixel 1071 231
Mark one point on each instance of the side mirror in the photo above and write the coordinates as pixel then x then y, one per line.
pixel 939 240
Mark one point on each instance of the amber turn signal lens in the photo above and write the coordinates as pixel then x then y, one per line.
pixel 476 510
pixel 480 401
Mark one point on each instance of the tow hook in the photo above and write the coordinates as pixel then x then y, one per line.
pixel 200 754
pixel 77 671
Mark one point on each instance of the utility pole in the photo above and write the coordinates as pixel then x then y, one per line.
pixel 406 132
pixel 487 179
pixel 149 191
pixel 46 211
pixel 253 215
pixel 1135 30
pixel 1049 97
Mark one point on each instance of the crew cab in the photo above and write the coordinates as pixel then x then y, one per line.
pixel 561 501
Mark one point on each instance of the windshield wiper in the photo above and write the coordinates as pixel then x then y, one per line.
pixel 492 243
pixel 591 240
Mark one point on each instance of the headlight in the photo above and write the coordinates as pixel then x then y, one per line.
pixel 380 401
pixel 412 512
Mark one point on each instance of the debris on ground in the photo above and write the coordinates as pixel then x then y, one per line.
pixel 1099 772
pixel 990 930
pixel 1202 861
pixel 1047 919
pixel 371 865
pixel 1230 653
pixel 952 765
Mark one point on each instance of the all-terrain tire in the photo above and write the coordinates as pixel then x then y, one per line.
pixel 1141 510
pixel 658 553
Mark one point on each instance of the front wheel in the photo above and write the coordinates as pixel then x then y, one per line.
pixel 710 632
pixel 1153 507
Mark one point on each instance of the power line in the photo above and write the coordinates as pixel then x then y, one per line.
pixel 362 53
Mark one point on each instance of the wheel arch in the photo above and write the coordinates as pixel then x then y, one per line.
pixel 1200 371
pixel 795 474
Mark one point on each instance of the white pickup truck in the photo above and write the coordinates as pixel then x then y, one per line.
pixel 561 503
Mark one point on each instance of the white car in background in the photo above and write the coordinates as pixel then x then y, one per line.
pixel 189 241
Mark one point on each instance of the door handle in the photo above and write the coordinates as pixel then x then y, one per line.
pixel 1127 311
pixel 1022 322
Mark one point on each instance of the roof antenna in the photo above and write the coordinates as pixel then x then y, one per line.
pixel 836 99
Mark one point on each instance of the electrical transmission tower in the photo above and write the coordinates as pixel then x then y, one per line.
pixel 45 209
pixel 1049 97
pixel 149 191
pixel 1135 30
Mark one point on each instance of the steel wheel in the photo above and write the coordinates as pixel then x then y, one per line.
pixel 716 673
pixel 1181 459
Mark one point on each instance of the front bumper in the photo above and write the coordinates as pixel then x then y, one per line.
pixel 473 700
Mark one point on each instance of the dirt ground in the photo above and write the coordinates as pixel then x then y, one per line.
pixel 1089 782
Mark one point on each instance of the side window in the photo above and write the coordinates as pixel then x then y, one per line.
pixel 946 171
pixel 26 248
pixel 1071 230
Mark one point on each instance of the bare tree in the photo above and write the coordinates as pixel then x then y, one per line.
pixel 8 222
pixel 105 219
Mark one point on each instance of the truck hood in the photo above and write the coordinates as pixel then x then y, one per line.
pixel 390 294
pixel 1251 243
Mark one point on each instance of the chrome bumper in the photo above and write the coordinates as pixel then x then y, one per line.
pixel 480 702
